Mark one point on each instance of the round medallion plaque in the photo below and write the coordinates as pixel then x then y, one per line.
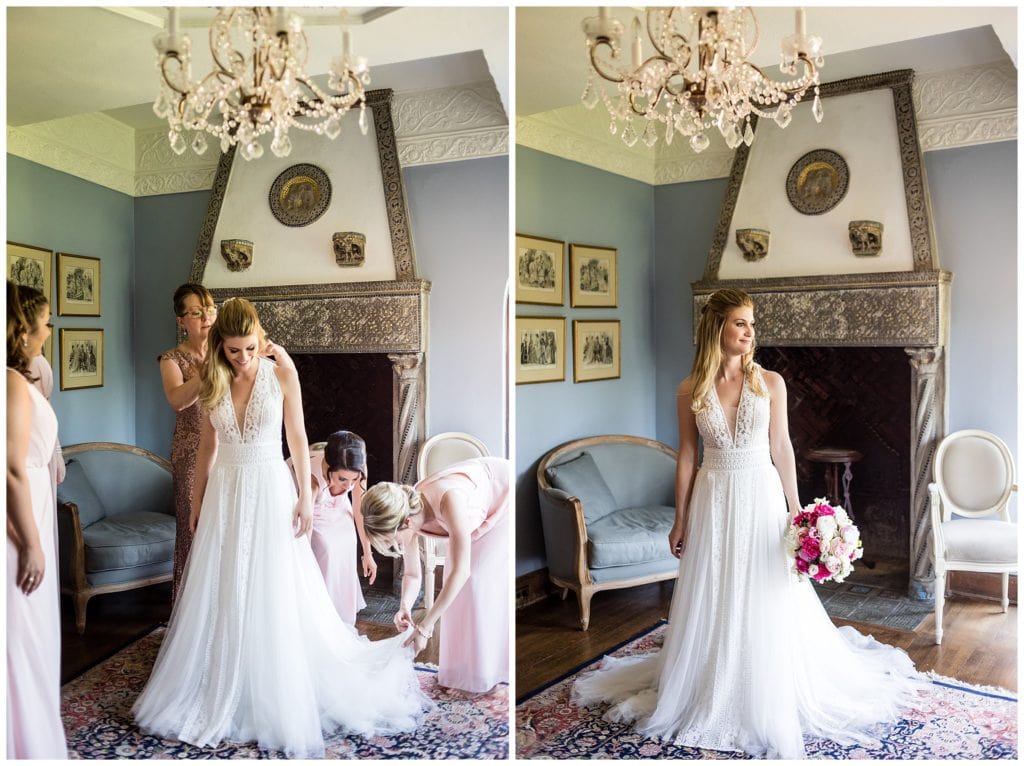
pixel 300 195
pixel 817 182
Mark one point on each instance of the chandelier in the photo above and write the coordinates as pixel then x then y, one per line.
pixel 258 84
pixel 699 75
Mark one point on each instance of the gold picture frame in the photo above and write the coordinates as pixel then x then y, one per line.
pixel 596 350
pixel 81 358
pixel 595 276
pixel 31 266
pixel 78 285
pixel 540 270
pixel 540 349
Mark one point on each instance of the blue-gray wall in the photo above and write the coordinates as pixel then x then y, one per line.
pixel 459 218
pixel 974 205
pixel 59 212
pixel 567 201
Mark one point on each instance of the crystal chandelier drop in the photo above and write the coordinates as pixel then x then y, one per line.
pixel 258 84
pixel 699 75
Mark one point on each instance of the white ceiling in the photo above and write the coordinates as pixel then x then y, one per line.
pixel 551 61
pixel 63 61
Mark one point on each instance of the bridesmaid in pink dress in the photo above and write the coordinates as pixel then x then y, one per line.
pixel 466 503
pixel 339 480
pixel 34 728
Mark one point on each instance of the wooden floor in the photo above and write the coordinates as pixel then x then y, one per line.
pixel 115 620
pixel 979 645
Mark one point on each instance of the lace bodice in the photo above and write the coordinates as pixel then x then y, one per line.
pixel 752 418
pixel 263 414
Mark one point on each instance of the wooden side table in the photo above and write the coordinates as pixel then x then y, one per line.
pixel 833 457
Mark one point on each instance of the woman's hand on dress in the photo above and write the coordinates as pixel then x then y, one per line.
pixel 31 566
pixel 403 619
pixel 303 518
pixel 280 355
pixel 417 640
pixel 676 541
pixel 369 567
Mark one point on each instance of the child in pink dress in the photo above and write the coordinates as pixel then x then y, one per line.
pixel 466 503
pixel 338 480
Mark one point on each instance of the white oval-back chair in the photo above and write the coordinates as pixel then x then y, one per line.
pixel 974 477
pixel 437 452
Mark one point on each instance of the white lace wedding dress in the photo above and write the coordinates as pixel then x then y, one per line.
pixel 255 650
pixel 751 661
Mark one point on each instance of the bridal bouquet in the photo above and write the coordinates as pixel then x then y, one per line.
pixel 823 542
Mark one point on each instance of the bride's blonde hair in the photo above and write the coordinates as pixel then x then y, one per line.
pixel 236 319
pixel 385 508
pixel 708 358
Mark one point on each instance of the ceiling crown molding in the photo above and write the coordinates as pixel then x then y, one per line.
pixel 441 125
pixel 955 108
pixel 94 147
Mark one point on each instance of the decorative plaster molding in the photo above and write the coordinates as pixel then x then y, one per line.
pixel 450 147
pixel 94 147
pixel 695 167
pixel 158 170
pixel 446 110
pixel 963 107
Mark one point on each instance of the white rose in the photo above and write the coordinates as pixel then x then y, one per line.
pixel 826 527
pixel 812 570
pixel 850 535
pixel 833 564
pixel 838 548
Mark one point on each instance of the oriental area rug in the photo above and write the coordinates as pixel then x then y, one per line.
pixel 96 709
pixel 953 720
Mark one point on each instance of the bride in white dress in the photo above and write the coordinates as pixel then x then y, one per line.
pixel 255 650
pixel 751 661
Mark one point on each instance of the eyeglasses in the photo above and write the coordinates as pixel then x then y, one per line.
pixel 210 311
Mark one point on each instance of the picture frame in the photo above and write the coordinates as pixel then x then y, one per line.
pixel 595 276
pixel 31 266
pixel 78 285
pixel 540 270
pixel 597 350
pixel 81 358
pixel 540 349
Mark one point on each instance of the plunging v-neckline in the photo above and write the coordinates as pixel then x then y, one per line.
pixel 739 406
pixel 245 409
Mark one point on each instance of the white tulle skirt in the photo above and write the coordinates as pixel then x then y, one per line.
pixel 751 661
pixel 255 650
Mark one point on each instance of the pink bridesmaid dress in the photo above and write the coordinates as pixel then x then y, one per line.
pixel 474 629
pixel 336 544
pixel 34 728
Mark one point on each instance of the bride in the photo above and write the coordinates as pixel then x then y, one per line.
pixel 255 650
pixel 751 661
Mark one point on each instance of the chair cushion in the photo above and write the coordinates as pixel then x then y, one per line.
pixel 126 540
pixel 580 477
pixel 76 488
pixel 631 536
pixel 979 541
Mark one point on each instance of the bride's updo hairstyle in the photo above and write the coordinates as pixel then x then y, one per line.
pixel 237 318
pixel 24 307
pixel 385 508
pixel 346 451
pixel 708 358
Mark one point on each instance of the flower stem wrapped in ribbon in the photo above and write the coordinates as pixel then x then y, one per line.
pixel 823 542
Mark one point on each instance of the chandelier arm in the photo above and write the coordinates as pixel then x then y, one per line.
pixel 597 67
pixel 167 57
pixel 228 68
pixel 674 35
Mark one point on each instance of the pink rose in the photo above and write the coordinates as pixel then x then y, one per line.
pixel 801 566
pixel 825 510
pixel 810 549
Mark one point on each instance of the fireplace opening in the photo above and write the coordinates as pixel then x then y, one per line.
pixel 856 398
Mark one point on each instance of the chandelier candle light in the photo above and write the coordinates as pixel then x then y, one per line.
pixel 258 84
pixel 699 75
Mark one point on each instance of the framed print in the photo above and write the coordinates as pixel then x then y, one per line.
pixel 540 342
pixel 31 266
pixel 78 285
pixel 81 359
pixel 540 270
pixel 596 350
pixel 595 276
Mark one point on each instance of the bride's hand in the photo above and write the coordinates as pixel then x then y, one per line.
pixel 676 542
pixel 302 521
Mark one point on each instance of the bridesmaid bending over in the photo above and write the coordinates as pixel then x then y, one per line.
pixel 467 504
pixel 338 482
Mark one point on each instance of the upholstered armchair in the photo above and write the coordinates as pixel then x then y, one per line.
pixel 607 504
pixel 115 521
pixel 974 478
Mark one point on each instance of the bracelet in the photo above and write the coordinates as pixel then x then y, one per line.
pixel 422 632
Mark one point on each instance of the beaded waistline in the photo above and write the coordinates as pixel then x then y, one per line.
pixel 736 459
pixel 249 454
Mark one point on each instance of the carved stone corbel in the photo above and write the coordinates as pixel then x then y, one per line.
pixel 927 384
pixel 408 413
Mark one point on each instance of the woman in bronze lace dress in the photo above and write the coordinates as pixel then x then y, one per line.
pixel 179 370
